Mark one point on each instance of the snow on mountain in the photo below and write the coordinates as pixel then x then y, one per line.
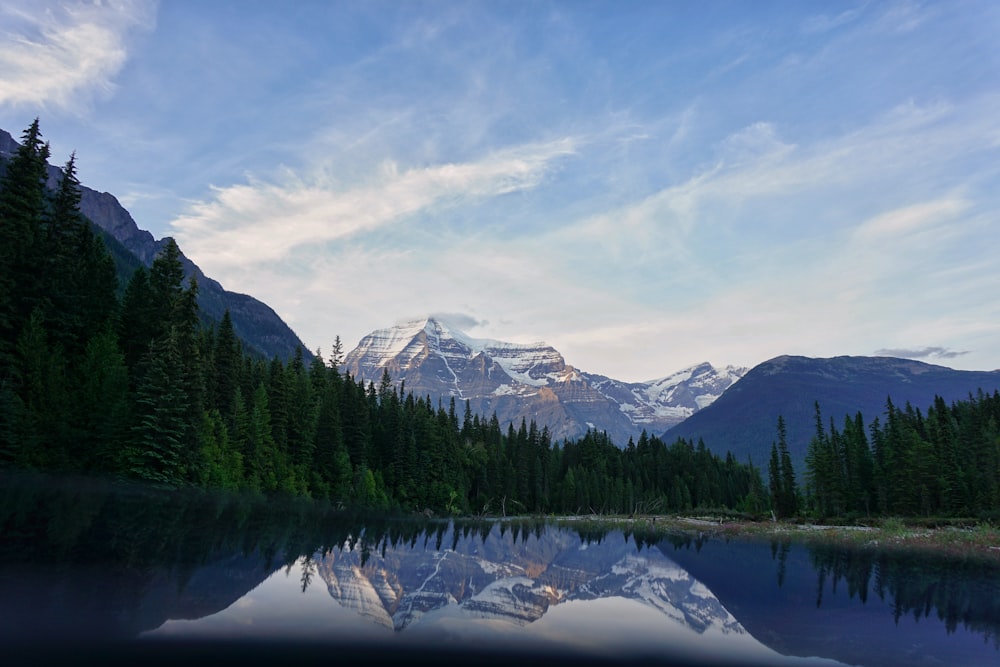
pixel 407 345
pixel 669 399
pixel 531 381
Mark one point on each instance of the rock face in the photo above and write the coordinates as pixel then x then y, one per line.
pixel 433 357
pixel 261 329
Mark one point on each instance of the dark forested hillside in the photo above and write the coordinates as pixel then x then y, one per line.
pixel 743 419
pixel 261 329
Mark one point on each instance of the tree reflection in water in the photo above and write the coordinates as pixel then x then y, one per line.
pixel 90 558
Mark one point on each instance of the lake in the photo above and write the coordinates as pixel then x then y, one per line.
pixel 144 574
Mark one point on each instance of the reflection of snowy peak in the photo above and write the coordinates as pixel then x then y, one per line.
pixel 667 587
pixel 533 381
pixel 368 592
pixel 515 583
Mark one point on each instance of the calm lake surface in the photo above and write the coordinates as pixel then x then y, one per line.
pixel 87 562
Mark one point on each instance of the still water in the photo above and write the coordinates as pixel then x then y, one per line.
pixel 87 562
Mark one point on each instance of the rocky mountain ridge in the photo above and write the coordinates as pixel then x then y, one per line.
pixel 432 356
pixel 261 329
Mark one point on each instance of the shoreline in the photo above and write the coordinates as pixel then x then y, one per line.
pixel 979 541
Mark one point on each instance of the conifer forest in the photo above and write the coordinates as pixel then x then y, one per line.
pixel 118 374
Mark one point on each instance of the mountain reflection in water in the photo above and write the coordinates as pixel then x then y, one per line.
pixel 92 561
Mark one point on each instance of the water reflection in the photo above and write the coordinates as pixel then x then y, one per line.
pixel 94 560
pixel 545 591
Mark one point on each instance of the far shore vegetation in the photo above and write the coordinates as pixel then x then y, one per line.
pixel 956 538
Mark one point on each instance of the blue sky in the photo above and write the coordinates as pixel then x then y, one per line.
pixel 643 185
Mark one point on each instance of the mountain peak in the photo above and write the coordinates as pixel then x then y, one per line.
pixel 434 356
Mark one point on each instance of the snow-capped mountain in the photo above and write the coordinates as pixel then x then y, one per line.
pixel 515 381
pixel 673 398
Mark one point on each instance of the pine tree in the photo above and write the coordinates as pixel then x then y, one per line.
pixel 774 479
pixel 821 464
pixel 789 489
pixel 43 434
pixel 331 461
pixel 22 205
pixel 159 432
pixel 337 354
pixel 227 364
pixel 302 409
pixel 266 464
pixel 137 325
pixel 101 406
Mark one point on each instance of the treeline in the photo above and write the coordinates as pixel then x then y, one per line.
pixel 945 463
pixel 140 387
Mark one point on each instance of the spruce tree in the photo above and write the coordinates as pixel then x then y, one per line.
pixel 789 489
pixel 226 366
pixel 157 451
pixel 137 324
pixel 774 479
pixel 101 407
pixel 22 205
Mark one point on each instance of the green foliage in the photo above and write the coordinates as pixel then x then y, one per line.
pixel 141 387
pixel 161 407
pixel 22 210
pixel 945 463
pixel 781 476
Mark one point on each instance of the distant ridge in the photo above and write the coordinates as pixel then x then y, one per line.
pixel 744 419
pixel 262 331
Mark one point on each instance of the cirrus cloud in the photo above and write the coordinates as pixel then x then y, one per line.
pixel 936 352
pixel 55 54
pixel 260 222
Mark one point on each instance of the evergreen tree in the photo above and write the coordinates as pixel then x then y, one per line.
pixel 101 406
pixel 43 435
pixel 788 499
pixel 137 325
pixel 774 479
pixel 158 435
pixel 22 205
pixel 227 364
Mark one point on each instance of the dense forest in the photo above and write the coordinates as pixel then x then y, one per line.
pixel 140 387
pixel 133 383
pixel 942 463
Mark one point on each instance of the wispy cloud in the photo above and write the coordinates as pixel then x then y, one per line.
pixel 260 221
pixel 58 54
pixel 910 219
pixel 823 22
pixel 905 16
pixel 921 353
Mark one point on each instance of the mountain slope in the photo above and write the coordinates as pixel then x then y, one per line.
pixel 258 326
pixel 744 418
pixel 433 357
